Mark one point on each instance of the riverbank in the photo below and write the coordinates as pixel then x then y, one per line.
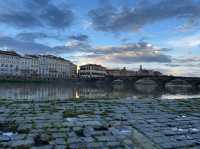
pixel 99 123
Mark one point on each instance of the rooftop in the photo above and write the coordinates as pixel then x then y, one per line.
pixel 92 65
pixel 12 53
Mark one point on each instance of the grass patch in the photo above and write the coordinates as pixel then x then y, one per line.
pixel 74 113
pixel 104 113
pixel 33 125
pixel 80 133
pixel 8 127
pixel 24 131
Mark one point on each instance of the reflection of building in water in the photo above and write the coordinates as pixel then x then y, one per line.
pixel 92 71
pixel 110 93
pixel 146 88
pixel 120 94
pixel 92 93
pixel 35 92
pixel 178 86
pixel 103 93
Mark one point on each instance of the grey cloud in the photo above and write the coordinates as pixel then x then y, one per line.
pixel 36 13
pixel 80 42
pixel 122 53
pixel 21 46
pixel 186 60
pixel 66 49
pixel 32 47
pixel 20 19
pixel 129 47
pixel 73 46
pixel 31 36
pixel 132 58
pixel 196 65
pixel 133 18
pixel 131 53
pixel 160 58
pixel 41 2
pixel 80 37
pixel 173 65
pixel 57 17
pixel 36 4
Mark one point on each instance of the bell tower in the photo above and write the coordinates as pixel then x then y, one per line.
pixel 140 67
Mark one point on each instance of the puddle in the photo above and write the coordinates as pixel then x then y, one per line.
pixel 8 134
pixel 71 119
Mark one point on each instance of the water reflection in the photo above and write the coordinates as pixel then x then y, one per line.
pixel 38 91
pixel 35 91
pixel 180 96
pixel 146 89
pixel 178 89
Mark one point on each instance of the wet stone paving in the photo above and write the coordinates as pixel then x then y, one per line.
pixel 100 124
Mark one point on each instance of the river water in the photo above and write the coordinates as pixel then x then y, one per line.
pixel 40 91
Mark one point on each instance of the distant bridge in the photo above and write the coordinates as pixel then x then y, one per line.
pixel 160 80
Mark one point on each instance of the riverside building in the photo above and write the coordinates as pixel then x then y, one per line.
pixel 92 71
pixel 121 72
pixel 145 72
pixel 47 67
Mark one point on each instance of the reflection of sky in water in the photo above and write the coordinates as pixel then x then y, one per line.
pixel 46 91
pixel 179 96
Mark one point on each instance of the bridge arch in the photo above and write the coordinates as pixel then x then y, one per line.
pixel 178 85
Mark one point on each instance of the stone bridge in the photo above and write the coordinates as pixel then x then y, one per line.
pixel 160 80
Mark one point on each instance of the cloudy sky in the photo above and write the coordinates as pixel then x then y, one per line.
pixel 161 34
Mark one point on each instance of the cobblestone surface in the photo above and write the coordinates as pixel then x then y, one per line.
pixel 61 124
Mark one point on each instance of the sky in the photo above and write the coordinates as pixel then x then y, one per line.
pixel 162 35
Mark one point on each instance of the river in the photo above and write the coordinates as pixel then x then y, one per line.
pixel 40 91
